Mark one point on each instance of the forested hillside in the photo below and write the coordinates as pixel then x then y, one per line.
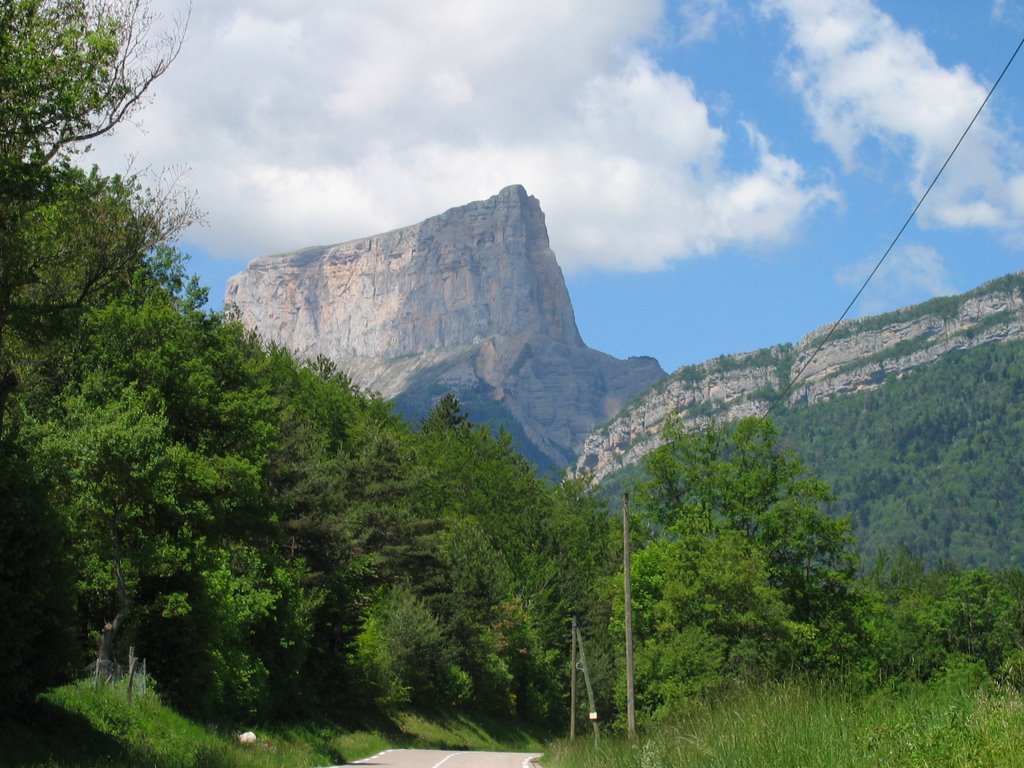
pixel 931 461
pixel 268 537
pixel 278 544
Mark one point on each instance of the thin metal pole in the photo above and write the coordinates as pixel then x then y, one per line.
pixel 590 690
pixel 627 583
pixel 572 686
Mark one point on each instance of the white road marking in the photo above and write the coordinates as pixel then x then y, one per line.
pixel 366 760
pixel 528 760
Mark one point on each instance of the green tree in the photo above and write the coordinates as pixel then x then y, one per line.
pixel 70 71
pixel 407 654
pixel 314 477
pixel 447 414
pixel 113 470
pixel 743 564
pixel 159 446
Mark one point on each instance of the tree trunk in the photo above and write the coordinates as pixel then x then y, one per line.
pixel 109 632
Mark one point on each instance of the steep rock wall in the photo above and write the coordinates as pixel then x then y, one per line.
pixel 471 301
pixel 860 355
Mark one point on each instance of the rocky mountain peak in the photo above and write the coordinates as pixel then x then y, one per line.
pixel 478 270
pixel 471 300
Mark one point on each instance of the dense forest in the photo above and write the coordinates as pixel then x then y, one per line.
pixel 268 537
pixel 274 540
pixel 931 461
pixel 928 462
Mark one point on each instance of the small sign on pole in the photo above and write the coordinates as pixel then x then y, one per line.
pixel 593 716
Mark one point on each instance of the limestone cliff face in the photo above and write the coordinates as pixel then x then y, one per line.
pixel 480 270
pixel 860 355
pixel 472 301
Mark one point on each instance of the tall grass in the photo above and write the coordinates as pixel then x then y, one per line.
pixel 75 726
pixel 956 722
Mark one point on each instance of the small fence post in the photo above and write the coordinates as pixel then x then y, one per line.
pixel 131 672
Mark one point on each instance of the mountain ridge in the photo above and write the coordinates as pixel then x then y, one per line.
pixel 473 301
pixel 470 301
pixel 861 355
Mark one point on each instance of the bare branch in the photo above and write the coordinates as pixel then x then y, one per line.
pixel 136 68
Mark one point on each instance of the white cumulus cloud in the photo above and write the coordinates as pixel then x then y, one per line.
pixel 863 77
pixel 700 18
pixel 314 122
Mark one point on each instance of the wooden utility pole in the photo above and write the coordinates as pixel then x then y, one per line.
pixel 627 584
pixel 590 690
pixel 572 685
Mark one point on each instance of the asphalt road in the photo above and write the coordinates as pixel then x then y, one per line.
pixel 431 758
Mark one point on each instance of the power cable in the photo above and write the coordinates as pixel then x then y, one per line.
pixel 793 380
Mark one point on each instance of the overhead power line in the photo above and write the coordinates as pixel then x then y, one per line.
pixel 799 374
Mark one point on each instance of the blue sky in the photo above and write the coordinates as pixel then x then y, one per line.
pixel 718 175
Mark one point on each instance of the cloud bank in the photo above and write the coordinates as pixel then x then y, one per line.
pixel 863 78
pixel 312 122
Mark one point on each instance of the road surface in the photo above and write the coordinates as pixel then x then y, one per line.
pixel 431 758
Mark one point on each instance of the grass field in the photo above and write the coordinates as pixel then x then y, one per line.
pixel 956 722
pixel 962 721
pixel 76 727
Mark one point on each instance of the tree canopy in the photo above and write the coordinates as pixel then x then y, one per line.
pixel 742 568
pixel 270 537
pixel 71 71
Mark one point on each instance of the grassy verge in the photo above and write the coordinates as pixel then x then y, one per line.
pixel 462 732
pixel 76 727
pixel 952 723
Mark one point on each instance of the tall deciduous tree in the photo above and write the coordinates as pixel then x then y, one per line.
pixel 739 478
pixel 71 71
pixel 112 465
pixel 744 564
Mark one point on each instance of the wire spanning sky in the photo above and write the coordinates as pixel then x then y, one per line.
pixel 718 175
